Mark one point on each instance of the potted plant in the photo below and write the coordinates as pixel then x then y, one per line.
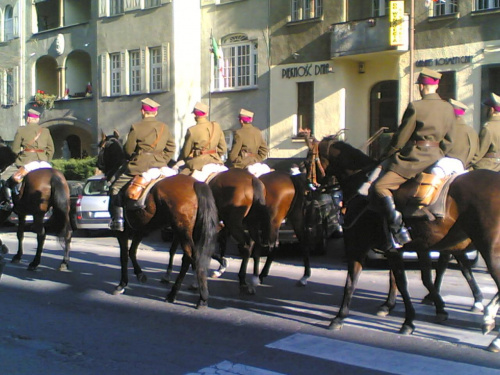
pixel 44 100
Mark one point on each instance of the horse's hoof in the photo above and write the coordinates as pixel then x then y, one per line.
pixel 336 325
pixel 32 267
pixel 441 316
pixel 494 346
pixel 202 304
pixel 216 274
pixel 427 300
pixel 63 267
pixel 383 311
pixel 119 290
pixel 488 327
pixel 16 260
pixel 193 287
pixel 165 280
pixel 142 278
pixel 407 329
pixel 302 281
pixel 477 307
pixel 170 298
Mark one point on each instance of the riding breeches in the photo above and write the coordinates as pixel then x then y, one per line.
pixel 388 182
pixel 120 182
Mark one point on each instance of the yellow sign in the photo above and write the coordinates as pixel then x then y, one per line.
pixel 396 17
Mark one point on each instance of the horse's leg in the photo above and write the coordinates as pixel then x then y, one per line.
pixel 201 277
pixel 186 261
pixel 40 237
pixel 132 253
pixel 244 250
pixel 389 304
pixel 67 248
pixel 3 248
pixel 222 240
pixel 466 268
pixel 354 269
pixel 122 238
pixel 490 313
pixel 173 248
pixel 426 274
pixel 20 237
pixel 442 265
pixel 397 266
pixel 255 250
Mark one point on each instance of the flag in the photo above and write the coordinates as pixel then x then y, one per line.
pixel 215 50
pixel 218 60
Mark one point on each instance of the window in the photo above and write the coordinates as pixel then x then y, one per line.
pixel 156 69
pixel 306 9
pixel 116 70
pixel 444 7
pixel 380 8
pixel 152 3
pixel 116 7
pixel 237 66
pixel 8 87
pixel 9 23
pixel 135 71
pixel 487 4
pixel 305 106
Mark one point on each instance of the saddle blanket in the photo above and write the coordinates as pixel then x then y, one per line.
pixel 446 167
pixel 155 173
pixel 208 170
pixel 258 169
pixel 36 165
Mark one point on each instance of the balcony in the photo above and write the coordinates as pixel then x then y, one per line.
pixel 366 36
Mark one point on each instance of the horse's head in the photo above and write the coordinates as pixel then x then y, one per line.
pixel 7 156
pixel 111 155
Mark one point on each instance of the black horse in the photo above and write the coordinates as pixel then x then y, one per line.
pixel 472 214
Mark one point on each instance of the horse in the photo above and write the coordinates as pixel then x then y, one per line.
pixel 472 215
pixel 41 190
pixel 181 202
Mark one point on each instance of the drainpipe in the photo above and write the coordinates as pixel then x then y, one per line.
pixel 412 47
pixel 22 61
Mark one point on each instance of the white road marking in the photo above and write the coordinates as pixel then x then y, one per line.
pixel 229 368
pixel 374 358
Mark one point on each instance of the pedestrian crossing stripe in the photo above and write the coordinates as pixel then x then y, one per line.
pixel 229 368
pixel 369 357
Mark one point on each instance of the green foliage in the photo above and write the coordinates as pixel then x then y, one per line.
pixel 76 169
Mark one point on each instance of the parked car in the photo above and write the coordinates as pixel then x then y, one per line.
pixel 92 205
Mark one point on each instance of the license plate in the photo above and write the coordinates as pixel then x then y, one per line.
pixel 103 214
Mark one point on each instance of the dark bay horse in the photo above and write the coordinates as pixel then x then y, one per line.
pixel 472 214
pixel 181 202
pixel 41 190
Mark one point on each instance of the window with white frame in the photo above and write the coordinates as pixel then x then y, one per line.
pixel 8 87
pixel 487 4
pixel 135 71
pixel 444 7
pixel 155 68
pixel 9 23
pixel 152 3
pixel 237 65
pixel 115 7
pixel 379 7
pixel 306 9
pixel 115 73
pixel 109 8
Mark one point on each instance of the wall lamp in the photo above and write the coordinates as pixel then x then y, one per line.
pixel 361 67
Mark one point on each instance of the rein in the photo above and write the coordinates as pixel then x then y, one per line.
pixel 315 164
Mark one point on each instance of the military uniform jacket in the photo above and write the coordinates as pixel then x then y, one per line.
pixel 204 144
pixel 465 143
pixel 33 143
pixel 489 142
pixel 149 145
pixel 249 147
pixel 430 119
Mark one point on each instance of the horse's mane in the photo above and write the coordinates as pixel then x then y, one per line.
pixel 353 158
pixel 7 156
pixel 113 157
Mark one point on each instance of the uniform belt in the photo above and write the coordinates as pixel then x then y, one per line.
pixel 33 150
pixel 427 144
pixel 492 155
pixel 207 152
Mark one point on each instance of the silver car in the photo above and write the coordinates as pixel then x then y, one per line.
pixel 92 205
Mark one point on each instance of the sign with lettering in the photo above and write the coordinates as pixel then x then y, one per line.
pixel 307 70
pixel 396 17
pixel 444 61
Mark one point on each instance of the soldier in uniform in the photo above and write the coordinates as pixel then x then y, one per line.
pixel 249 147
pixel 149 145
pixel 424 136
pixel 466 141
pixel 31 143
pixel 204 142
pixel 489 137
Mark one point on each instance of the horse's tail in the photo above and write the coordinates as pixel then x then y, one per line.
pixel 58 223
pixel 205 227
pixel 299 183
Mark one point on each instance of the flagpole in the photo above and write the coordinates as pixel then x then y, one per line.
pixel 210 80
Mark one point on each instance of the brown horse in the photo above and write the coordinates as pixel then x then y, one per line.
pixel 472 214
pixel 42 190
pixel 182 203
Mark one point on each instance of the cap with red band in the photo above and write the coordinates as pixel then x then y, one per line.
pixel 200 109
pixel 429 77
pixel 458 107
pixel 246 115
pixel 33 114
pixel 149 105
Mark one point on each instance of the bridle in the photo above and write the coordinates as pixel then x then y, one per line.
pixel 315 165
pixel 101 164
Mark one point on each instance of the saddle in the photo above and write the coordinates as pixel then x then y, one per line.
pixel 141 185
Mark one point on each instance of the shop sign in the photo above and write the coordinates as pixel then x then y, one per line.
pixel 307 70
pixel 396 17
pixel 444 61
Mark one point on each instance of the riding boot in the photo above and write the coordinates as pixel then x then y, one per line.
pixel 399 232
pixel 8 204
pixel 116 211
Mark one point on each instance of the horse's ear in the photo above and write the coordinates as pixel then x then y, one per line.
pixel 116 134
pixel 103 135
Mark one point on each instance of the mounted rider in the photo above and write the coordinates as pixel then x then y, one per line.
pixel 425 135
pixel 204 146
pixel 149 145
pixel 249 148
pixel 32 143
pixel 489 137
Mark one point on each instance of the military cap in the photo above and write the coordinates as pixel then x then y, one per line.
pixel 458 105
pixel 199 106
pixel 149 105
pixel 33 113
pixel 429 77
pixel 246 113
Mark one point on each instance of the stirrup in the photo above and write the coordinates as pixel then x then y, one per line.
pixel 117 225
pixel 402 236
pixel 6 206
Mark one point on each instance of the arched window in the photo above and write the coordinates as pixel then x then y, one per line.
pixel 78 73
pixel 46 75
pixel 9 23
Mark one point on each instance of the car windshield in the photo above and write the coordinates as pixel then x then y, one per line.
pixel 96 187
